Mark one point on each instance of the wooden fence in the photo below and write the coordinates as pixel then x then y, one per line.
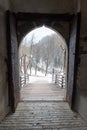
pixel 59 78
pixel 24 79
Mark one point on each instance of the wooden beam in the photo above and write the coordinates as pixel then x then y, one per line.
pixel 43 16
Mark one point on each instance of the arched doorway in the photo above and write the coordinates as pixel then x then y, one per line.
pixel 66 24
pixel 43 58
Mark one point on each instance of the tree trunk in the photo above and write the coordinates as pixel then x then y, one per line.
pixel 46 67
pixel 30 68
pixel 36 69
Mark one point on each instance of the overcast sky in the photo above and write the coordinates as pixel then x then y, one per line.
pixel 38 34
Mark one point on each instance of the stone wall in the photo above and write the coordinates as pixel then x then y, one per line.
pixel 3 67
pixel 81 92
pixel 43 6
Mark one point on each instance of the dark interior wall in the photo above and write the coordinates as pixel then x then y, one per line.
pixel 81 85
pixel 3 66
pixel 81 103
pixel 43 6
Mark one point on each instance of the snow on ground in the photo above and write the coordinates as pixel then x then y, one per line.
pixel 39 77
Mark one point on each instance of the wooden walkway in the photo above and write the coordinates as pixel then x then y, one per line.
pixel 41 110
pixel 42 91
pixel 43 116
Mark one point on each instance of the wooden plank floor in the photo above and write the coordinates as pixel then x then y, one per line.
pixel 40 109
pixel 42 91
pixel 43 116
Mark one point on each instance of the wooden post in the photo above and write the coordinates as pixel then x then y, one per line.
pixel 25 64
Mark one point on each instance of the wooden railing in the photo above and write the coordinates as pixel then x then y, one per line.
pixel 24 79
pixel 58 78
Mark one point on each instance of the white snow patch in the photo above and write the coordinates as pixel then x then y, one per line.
pixel 39 77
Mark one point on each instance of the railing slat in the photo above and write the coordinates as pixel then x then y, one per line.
pixel 24 79
pixel 58 78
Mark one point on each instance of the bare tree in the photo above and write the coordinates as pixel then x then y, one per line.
pixel 36 56
pixel 30 53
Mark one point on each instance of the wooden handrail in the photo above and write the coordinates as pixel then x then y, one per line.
pixel 24 79
pixel 58 78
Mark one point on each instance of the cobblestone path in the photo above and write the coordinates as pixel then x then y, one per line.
pixel 43 116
